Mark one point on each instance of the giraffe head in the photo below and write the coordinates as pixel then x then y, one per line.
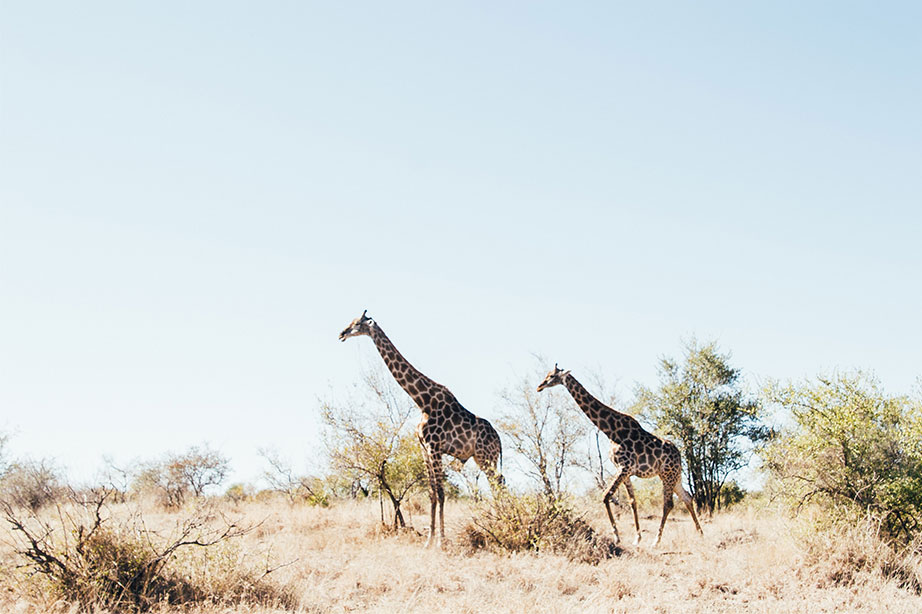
pixel 359 326
pixel 554 377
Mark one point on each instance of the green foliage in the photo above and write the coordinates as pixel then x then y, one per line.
pixel 700 404
pixel 370 442
pixel 854 448
pixel 731 493
pixel 535 522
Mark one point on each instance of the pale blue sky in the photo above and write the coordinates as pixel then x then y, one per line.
pixel 195 198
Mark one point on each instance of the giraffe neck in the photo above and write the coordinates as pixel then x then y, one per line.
pixel 417 385
pixel 602 416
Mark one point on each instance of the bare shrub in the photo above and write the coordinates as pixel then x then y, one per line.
pixel 545 430
pixel 297 488
pixel 535 522
pixel 30 484
pixel 4 438
pixel 84 556
pixel 176 477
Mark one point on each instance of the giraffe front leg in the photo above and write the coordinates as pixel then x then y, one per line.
pixel 439 480
pixel 630 493
pixel 607 501
pixel 689 504
pixel 486 459
pixel 433 496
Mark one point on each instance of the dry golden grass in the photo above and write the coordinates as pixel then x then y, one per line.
pixel 749 560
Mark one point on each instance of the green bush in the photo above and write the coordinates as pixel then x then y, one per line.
pixel 854 450
pixel 731 493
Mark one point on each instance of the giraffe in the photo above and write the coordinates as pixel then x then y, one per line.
pixel 446 427
pixel 634 451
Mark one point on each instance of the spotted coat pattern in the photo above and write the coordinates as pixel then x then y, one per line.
pixel 446 426
pixel 634 452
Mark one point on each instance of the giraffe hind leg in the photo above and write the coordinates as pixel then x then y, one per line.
pixel 668 504
pixel 689 504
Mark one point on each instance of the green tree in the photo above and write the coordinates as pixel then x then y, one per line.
pixel 370 439
pixel 852 448
pixel 701 406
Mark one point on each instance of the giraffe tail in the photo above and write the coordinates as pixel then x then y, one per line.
pixel 501 480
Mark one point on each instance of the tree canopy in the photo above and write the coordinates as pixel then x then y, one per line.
pixel 701 406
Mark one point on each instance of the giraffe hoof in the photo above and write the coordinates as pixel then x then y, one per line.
pixel 637 539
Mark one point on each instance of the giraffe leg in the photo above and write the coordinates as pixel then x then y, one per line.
pixel 619 477
pixel 630 493
pixel 487 452
pixel 433 496
pixel 487 464
pixel 689 504
pixel 439 474
pixel 668 504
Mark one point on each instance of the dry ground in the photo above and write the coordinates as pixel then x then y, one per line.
pixel 749 560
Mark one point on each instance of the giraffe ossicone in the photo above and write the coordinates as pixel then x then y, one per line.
pixel 446 426
pixel 634 452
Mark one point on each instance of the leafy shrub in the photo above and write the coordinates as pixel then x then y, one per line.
pixel 731 493
pixel 536 522
pixel 854 450
pixel 370 441
pixel 238 493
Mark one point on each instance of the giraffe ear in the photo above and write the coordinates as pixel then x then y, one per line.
pixel 565 373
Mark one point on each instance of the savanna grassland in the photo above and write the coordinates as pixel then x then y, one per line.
pixel 751 558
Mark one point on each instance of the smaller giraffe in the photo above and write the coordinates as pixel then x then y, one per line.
pixel 634 451
pixel 446 426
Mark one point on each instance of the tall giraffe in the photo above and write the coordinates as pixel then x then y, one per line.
pixel 634 451
pixel 446 427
